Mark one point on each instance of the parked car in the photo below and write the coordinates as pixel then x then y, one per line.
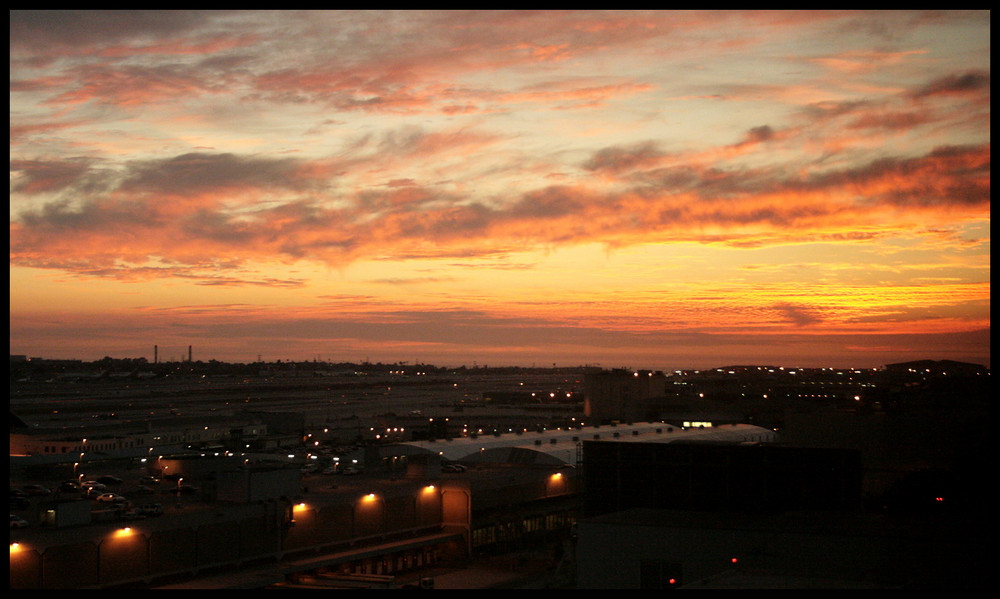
pixel 70 486
pixel 36 490
pixel 145 490
pixel 111 498
pixel 108 479
pixel 149 481
pixel 18 522
pixel 92 489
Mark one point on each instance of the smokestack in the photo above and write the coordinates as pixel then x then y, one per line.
pixel 189 354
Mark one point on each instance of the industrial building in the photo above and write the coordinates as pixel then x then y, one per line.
pixel 711 516
pixel 403 513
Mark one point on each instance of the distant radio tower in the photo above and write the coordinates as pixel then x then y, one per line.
pixel 189 354
pixel 156 354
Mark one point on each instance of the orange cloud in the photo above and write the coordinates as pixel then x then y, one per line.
pixel 190 206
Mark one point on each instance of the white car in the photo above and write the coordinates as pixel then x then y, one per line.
pixel 111 498
pixel 18 522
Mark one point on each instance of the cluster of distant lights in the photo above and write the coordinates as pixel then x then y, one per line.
pixel 395 431
pixel 782 369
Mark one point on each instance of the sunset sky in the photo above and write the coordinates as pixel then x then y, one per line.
pixel 646 189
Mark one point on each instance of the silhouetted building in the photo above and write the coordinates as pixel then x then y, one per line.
pixel 621 395
pixel 718 476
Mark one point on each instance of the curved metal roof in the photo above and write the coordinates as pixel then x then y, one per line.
pixel 560 446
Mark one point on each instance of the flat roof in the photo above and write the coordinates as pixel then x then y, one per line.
pixel 561 444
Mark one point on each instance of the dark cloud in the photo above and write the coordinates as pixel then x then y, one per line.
pixel 108 217
pixel 193 172
pixel 618 159
pixel 47 30
pixel 797 315
pixel 759 134
pixel 970 82
pixel 46 176
pixel 947 176
pixel 548 203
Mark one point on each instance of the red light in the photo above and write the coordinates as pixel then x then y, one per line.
pixel 939 499
pixel 672 581
pixel 734 560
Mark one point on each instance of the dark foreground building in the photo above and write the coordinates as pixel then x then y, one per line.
pixel 746 516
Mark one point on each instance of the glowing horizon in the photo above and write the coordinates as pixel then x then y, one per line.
pixel 662 189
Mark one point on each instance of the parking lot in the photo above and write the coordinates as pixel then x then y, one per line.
pixel 116 490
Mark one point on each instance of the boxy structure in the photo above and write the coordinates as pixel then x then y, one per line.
pixel 718 476
pixel 252 484
pixel 621 395
pixel 710 516
pixel 60 514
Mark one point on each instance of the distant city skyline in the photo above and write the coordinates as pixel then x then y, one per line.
pixel 411 367
pixel 656 189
